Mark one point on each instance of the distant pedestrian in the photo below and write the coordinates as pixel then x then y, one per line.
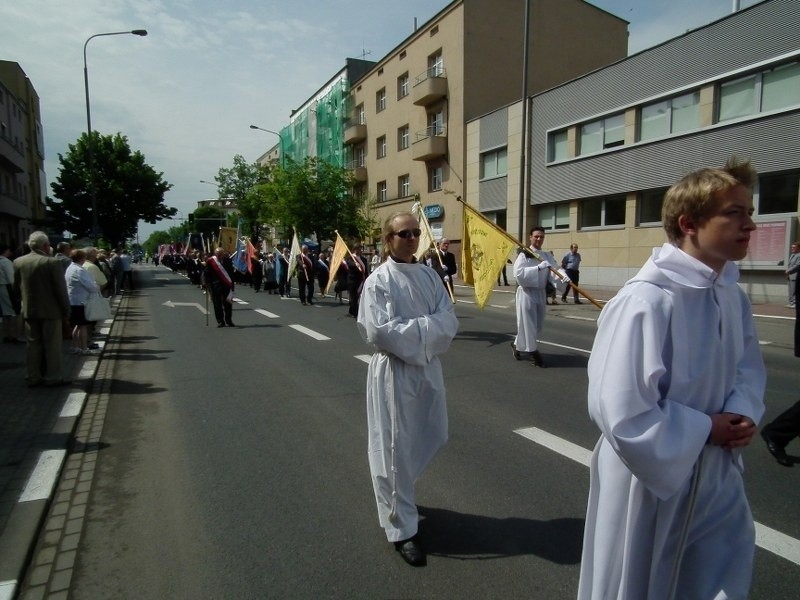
pixel 126 263
pixel 9 300
pixel 218 277
pixel 305 276
pixel 356 275
pixel 270 278
pixel 80 285
pixel 571 263
pixel 39 280
pixel 792 268
pixel 323 269
pixel 532 270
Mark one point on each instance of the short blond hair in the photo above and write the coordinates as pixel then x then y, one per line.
pixel 694 193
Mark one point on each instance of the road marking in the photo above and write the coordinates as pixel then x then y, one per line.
pixel 767 538
pixel 564 347
pixel 44 476
pixel 577 453
pixel 266 313
pixel 578 318
pixel 774 317
pixel 72 406
pixel 197 305
pixel 364 357
pixel 310 332
pixel 239 300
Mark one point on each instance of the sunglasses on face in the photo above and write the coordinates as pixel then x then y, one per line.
pixel 407 233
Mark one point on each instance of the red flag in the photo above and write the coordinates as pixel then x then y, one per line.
pixel 251 255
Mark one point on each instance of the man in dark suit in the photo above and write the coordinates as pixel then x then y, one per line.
pixel 39 281
pixel 356 274
pixel 305 276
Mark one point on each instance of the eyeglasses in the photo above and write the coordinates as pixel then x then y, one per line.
pixel 407 233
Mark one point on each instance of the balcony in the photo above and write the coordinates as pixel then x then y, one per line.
pixel 430 143
pixel 11 156
pixel 355 132
pixel 358 170
pixel 430 87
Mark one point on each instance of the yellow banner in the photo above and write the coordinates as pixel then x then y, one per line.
pixel 484 249
pixel 227 239
pixel 340 250
pixel 426 241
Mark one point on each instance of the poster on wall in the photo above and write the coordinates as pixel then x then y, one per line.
pixel 769 245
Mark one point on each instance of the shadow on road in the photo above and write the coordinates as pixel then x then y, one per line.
pixel 451 534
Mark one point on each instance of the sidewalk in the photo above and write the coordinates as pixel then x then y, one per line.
pixel 36 425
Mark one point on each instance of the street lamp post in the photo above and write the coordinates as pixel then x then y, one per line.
pixel 89 157
pixel 280 138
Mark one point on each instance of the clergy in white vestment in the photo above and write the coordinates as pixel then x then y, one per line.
pixel 676 386
pixel 407 316
pixel 532 270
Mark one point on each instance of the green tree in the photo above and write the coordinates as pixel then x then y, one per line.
pixel 241 184
pixel 207 220
pixel 127 190
pixel 316 198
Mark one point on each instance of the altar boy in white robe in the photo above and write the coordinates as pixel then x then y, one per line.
pixel 407 316
pixel 676 386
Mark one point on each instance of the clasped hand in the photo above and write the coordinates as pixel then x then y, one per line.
pixel 730 431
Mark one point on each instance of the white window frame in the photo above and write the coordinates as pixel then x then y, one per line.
pixel 403 85
pixel 380 146
pixel 554 217
pixel 381 189
pixel 403 137
pixel 498 159
pixel 435 178
pixel 380 100
pixel 403 186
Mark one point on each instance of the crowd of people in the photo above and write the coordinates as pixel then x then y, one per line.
pixel 667 509
pixel 43 293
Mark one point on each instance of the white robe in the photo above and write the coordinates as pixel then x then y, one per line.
pixel 407 316
pixel 676 345
pixel 531 302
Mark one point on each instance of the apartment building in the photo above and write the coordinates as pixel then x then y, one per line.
pixel 606 146
pixel 22 177
pixel 406 135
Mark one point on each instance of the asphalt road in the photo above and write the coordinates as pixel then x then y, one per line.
pixel 234 460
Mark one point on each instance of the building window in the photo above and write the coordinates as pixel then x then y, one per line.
pixel 434 179
pixel 402 85
pixel 778 194
pixel 360 155
pixel 403 186
pixel 361 118
pixel 675 115
pixel 435 65
pixel 558 146
pixel 436 123
pixel 381 147
pixel 602 212
pixel 773 89
pixel 493 164
pixel 380 100
pixel 649 207
pixel 737 98
pixel 554 216
pixel 602 134
pixel 403 135
pixel 381 191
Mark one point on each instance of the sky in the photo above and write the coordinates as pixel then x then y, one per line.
pixel 185 94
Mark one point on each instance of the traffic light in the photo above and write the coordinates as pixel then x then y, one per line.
pixel 191 217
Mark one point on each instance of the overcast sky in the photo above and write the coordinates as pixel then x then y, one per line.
pixel 186 94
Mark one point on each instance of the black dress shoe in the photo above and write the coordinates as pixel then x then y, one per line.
pixel 777 451
pixel 514 350
pixel 230 324
pixel 411 552
pixel 537 360
pixel 220 324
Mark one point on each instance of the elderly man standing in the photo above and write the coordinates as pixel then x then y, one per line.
pixel 39 279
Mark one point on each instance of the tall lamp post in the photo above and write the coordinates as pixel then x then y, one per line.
pixel 89 157
pixel 280 138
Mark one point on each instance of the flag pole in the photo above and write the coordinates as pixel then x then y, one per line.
pixel 424 222
pixel 531 252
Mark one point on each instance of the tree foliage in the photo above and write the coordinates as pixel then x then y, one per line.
pixel 241 184
pixel 315 198
pixel 127 190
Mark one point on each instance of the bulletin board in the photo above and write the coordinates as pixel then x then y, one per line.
pixel 769 244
